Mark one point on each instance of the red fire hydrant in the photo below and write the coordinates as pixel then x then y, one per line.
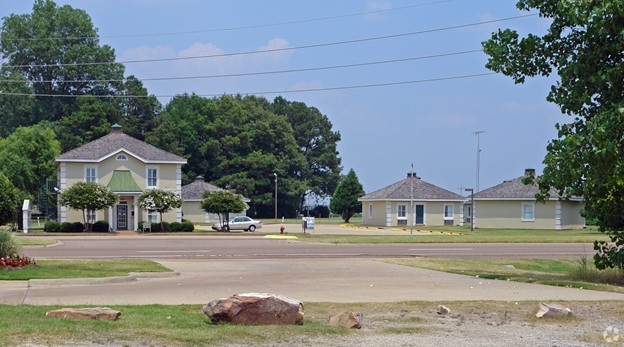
pixel 282 229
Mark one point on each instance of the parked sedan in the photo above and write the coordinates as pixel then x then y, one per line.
pixel 239 223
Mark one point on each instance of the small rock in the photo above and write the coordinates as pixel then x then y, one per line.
pixel 103 313
pixel 443 310
pixel 552 310
pixel 350 320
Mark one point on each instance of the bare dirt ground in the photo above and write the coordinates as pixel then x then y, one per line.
pixel 483 324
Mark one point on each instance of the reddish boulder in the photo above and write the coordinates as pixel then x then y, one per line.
pixel 255 309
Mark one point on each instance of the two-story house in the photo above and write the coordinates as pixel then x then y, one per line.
pixel 125 165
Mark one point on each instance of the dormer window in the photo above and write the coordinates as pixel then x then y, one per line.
pixel 122 157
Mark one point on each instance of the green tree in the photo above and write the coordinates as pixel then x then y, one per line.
pixel 317 142
pixel 222 202
pixel 88 196
pixel 138 112
pixel 238 143
pixel 583 46
pixel 9 201
pixel 27 156
pixel 57 50
pixel 15 110
pixel 160 200
pixel 345 198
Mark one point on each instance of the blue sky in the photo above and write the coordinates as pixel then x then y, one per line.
pixel 385 129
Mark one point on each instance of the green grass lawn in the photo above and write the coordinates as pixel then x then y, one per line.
pixel 52 269
pixel 564 273
pixel 463 235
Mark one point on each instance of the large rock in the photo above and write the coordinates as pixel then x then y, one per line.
pixel 350 320
pixel 255 309
pixel 552 310
pixel 103 313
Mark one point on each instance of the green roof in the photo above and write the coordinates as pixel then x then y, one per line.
pixel 122 181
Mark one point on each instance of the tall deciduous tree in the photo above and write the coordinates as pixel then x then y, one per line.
pixel 237 143
pixel 345 198
pixel 318 144
pixel 584 47
pixel 8 200
pixel 26 157
pixel 222 202
pixel 160 200
pixel 57 50
pixel 88 196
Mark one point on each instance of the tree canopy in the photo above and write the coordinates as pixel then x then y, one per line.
pixel 238 143
pixel 160 200
pixel 9 202
pixel 88 196
pixel 26 157
pixel 345 198
pixel 51 61
pixel 222 202
pixel 583 47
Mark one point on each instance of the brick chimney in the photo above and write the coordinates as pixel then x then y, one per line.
pixel 529 172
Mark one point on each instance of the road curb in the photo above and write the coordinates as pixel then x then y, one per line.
pixel 131 277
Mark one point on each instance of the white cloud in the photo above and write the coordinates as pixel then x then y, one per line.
pixel 277 53
pixel 372 6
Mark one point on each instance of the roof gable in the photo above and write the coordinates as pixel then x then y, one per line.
pixel 115 142
pixel 410 188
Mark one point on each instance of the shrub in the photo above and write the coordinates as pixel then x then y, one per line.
pixel 66 227
pixel 100 227
pixel 188 226
pixel 78 227
pixel 8 244
pixel 175 226
pixel 52 227
pixel 155 227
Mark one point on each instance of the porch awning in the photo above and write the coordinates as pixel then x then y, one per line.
pixel 122 182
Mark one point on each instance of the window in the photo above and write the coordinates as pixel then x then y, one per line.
pixel 448 211
pixel 122 157
pixel 90 174
pixel 152 177
pixel 91 216
pixel 152 217
pixel 370 210
pixel 401 212
pixel 528 212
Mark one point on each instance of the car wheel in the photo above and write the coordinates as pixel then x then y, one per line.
pixel 252 228
pixel 226 228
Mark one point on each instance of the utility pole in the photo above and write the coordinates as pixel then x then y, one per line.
pixel 477 133
pixel 275 174
pixel 474 208
pixel 412 201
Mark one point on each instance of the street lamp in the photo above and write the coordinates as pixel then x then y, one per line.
pixel 472 206
pixel 274 174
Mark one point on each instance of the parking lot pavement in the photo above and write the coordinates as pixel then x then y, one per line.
pixel 308 280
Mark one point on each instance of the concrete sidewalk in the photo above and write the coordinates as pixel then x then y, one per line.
pixel 308 280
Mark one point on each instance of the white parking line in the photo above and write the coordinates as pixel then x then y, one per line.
pixel 195 251
pixel 439 249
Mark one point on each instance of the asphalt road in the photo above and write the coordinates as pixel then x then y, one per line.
pixel 210 267
pixel 259 247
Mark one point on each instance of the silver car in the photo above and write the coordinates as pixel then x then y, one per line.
pixel 239 223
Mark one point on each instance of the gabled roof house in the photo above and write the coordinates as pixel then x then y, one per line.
pixel 512 204
pixel 192 194
pixel 127 166
pixel 412 201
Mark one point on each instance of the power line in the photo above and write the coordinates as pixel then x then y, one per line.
pixel 255 73
pixel 337 43
pixel 246 27
pixel 373 85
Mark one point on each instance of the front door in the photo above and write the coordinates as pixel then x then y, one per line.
pixel 122 217
pixel 420 214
